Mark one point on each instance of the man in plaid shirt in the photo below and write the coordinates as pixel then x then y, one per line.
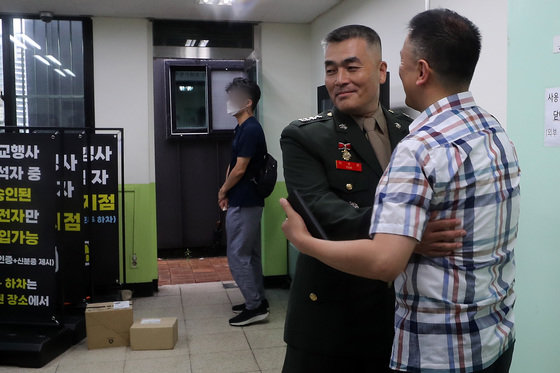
pixel 455 313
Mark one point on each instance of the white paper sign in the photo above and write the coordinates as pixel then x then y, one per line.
pixel 552 117
pixel 556 44
pixel 121 304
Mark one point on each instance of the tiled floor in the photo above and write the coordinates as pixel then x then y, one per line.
pixel 207 343
pixel 194 270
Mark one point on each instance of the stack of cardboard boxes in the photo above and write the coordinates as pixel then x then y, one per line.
pixel 111 324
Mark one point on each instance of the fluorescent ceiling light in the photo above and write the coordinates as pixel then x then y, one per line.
pixel 190 43
pixel 203 43
pixel 17 43
pixel 30 41
pixel 40 58
pixel 215 2
pixel 69 72
pixel 59 72
pixel 54 60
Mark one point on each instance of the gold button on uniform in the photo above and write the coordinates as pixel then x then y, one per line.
pixel 349 186
pixel 313 297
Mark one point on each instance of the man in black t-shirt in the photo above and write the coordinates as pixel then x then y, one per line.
pixel 238 195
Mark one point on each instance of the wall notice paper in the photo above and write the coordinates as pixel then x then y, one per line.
pixel 552 117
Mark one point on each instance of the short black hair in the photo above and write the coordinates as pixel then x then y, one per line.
pixel 248 87
pixel 351 32
pixel 449 42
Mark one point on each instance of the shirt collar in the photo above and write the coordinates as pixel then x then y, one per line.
pixel 379 117
pixel 457 101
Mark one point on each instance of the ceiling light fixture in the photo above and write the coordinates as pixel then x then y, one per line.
pixel 59 72
pixel 216 2
pixel 17 43
pixel 69 72
pixel 203 43
pixel 30 41
pixel 40 58
pixel 190 43
pixel 53 59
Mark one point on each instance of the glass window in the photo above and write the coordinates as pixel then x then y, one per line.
pixel 189 98
pixel 47 79
pixel 49 73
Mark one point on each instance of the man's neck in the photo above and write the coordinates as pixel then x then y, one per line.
pixel 367 113
pixel 242 117
pixel 434 95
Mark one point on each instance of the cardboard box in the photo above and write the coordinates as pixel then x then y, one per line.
pixel 108 324
pixel 154 334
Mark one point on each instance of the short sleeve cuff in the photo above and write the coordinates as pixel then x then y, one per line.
pixel 400 230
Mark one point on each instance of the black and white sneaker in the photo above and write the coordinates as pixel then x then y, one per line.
pixel 238 308
pixel 248 317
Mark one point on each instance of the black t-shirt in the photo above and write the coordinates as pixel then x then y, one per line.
pixel 248 142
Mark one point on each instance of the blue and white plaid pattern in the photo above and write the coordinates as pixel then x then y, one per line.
pixel 454 313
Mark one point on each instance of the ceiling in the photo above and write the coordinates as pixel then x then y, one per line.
pixel 286 11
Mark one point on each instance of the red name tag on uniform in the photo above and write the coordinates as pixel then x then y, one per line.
pixel 350 166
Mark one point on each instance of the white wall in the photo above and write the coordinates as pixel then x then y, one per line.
pixel 285 80
pixel 123 84
pixel 489 85
pixel 390 17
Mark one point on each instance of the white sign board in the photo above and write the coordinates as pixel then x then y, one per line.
pixel 556 44
pixel 552 117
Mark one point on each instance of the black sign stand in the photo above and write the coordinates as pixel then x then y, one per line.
pixel 61 215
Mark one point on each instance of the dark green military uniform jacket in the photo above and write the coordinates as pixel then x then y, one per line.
pixel 331 312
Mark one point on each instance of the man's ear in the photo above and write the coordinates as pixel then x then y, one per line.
pixel 382 72
pixel 250 104
pixel 424 72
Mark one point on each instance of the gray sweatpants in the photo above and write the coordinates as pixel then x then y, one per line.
pixel 243 230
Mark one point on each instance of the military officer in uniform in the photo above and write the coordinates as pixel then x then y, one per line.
pixel 337 322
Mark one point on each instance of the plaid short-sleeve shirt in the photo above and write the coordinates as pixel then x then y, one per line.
pixel 454 313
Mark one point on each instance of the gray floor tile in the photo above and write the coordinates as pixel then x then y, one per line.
pixel 208 311
pixel 270 358
pixel 172 301
pixel 170 364
pixel 167 290
pixel 93 367
pixel 79 354
pixel 218 342
pixel 209 326
pixel 200 299
pixel 201 287
pixel 263 338
pixel 224 362
pixel 49 368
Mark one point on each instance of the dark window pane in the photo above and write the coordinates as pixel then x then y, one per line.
pixel 189 101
